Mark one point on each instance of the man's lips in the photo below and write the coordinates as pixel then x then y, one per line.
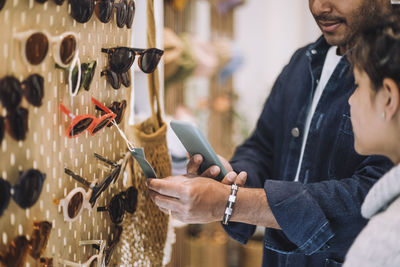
pixel 330 26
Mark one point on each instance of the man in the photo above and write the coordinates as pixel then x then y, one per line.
pixel 305 183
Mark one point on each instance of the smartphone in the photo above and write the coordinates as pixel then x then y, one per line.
pixel 195 143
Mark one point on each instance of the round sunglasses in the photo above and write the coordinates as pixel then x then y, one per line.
pixel 121 58
pixel 80 123
pixel 25 193
pixel 12 90
pixel 82 11
pixel 124 201
pixel 36 45
pixel 116 79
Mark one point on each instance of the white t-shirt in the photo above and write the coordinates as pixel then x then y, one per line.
pixel 331 61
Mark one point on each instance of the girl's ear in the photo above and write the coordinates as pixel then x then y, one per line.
pixel 391 96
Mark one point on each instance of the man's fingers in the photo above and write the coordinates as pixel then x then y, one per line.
pixel 170 186
pixel 194 164
pixel 241 179
pixel 165 203
pixel 229 178
pixel 211 172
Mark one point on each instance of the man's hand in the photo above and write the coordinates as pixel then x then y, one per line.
pixel 190 199
pixel 193 167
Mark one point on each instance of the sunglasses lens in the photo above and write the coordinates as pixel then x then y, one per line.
pixel 81 126
pixel 149 60
pixel 36 48
pixel 116 209
pixel 10 92
pixel 17 123
pixel 40 236
pixel 131 14
pixel 103 10
pixel 2 2
pixel 67 49
pixel 88 70
pixel 101 124
pixel 122 13
pixel 126 79
pixel 82 10
pixel 121 60
pixel 29 187
pixel 75 205
pixel 113 79
pixel 131 195
pixel 17 253
pixel 4 195
pixel 2 128
pixel 33 89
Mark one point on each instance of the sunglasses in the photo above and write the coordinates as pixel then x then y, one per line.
pixel 25 193
pixel 120 59
pixel 2 2
pixel 78 199
pixel 111 244
pixel 124 201
pixel 82 11
pixel 93 261
pixel 36 45
pixel 80 123
pixel 12 91
pixel 15 123
pixel 116 79
pixel 20 247
pixel 118 108
pixel 86 78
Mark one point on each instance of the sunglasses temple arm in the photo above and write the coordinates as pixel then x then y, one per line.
pixel 76 62
pixel 77 177
pixel 109 162
pixel 66 111
pixel 101 208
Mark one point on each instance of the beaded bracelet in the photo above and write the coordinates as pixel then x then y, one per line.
pixel 230 204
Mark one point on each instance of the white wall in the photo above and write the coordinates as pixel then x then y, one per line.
pixel 268 32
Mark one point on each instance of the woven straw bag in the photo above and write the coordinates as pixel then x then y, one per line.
pixel 144 238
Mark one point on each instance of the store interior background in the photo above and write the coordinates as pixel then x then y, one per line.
pixel 264 34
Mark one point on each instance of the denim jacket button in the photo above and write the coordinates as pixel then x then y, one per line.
pixel 295 132
pixel 313 51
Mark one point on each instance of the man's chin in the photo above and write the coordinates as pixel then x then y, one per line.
pixel 336 39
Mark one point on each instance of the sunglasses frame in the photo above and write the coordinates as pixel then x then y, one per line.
pixel 85 202
pixel 100 256
pixel 119 78
pixel 76 119
pixel 136 52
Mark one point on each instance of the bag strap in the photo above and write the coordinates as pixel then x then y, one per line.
pixel 152 78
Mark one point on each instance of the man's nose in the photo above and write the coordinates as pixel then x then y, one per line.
pixel 320 7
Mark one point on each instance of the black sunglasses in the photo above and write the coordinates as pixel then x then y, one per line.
pixel 25 193
pixel 12 90
pixel 111 243
pixel 82 11
pixel 16 124
pixel 117 108
pixel 116 79
pixel 121 58
pixel 124 201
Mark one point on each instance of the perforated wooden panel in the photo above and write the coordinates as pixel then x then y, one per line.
pixel 46 146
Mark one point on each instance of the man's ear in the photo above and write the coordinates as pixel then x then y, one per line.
pixel 391 97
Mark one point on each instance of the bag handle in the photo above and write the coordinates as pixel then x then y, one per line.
pixel 152 79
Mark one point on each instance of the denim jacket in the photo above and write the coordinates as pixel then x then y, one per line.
pixel 320 214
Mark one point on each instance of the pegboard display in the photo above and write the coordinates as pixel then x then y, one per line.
pixel 46 147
